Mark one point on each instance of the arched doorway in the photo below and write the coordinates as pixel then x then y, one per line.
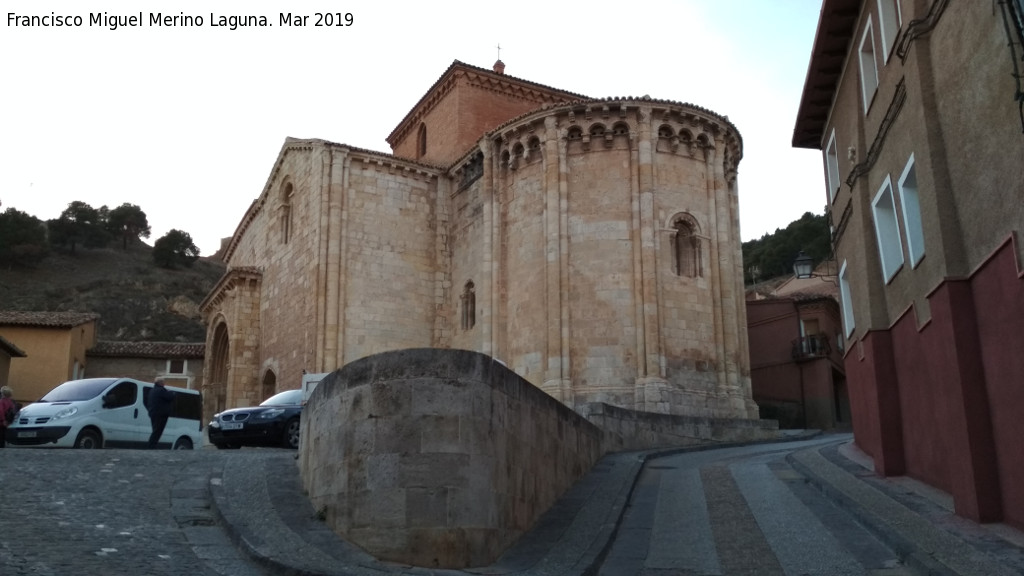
pixel 220 361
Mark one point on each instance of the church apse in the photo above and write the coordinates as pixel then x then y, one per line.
pixel 614 264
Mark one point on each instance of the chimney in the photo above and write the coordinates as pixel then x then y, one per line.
pixel 499 67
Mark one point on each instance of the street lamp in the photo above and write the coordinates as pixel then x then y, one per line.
pixel 803 266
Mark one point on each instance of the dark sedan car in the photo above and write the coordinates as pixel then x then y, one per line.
pixel 275 422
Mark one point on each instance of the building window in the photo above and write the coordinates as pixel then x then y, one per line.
pixel 868 67
pixel 847 301
pixel 911 205
pixel 286 212
pixel 468 306
pixel 832 165
pixel 889 22
pixel 421 142
pixel 176 366
pixel 887 230
pixel 686 248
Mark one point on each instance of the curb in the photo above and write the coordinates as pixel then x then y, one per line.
pixel 917 541
pixel 906 550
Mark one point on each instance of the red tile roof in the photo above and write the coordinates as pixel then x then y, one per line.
pixel 46 319
pixel 109 349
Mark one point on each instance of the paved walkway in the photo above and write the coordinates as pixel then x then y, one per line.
pixel 800 508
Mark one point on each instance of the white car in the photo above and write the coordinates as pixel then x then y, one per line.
pixel 105 412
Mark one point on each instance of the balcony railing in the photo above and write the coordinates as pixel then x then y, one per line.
pixel 813 346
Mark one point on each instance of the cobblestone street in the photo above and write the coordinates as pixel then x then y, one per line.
pixel 69 512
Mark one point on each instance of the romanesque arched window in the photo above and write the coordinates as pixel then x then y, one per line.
pixel 468 306
pixel 421 142
pixel 686 249
pixel 286 212
pixel 269 386
pixel 533 149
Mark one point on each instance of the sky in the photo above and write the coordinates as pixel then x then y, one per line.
pixel 187 121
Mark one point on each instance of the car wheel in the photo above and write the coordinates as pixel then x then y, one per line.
pixel 290 438
pixel 183 443
pixel 89 439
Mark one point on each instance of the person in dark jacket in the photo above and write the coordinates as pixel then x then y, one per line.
pixel 161 401
pixel 7 407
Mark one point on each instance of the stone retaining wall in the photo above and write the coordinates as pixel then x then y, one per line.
pixel 633 430
pixel 438 458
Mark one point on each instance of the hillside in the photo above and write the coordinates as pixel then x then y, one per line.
pixel 772 255
pixel 136 300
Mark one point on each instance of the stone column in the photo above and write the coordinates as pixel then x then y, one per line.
pixel 329 176
pixel 727 238
pixel 557 381
pixel 651 385
pixel 490 268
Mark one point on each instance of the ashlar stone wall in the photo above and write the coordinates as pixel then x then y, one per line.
pixel 572 228
pixel 340 258
pixel 438 458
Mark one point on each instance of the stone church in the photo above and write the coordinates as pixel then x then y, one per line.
pixel 591 245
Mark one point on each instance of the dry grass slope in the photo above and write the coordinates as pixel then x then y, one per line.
pixel 137 301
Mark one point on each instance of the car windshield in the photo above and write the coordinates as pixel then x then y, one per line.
pixel 76 390
pixel 287 398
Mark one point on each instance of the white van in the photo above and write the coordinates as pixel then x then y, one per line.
pixel 106 412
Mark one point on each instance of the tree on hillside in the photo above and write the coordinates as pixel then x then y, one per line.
pixel 773 254
pixel 127 222
pixel 79 223
pixel 22 238
pixel 175 248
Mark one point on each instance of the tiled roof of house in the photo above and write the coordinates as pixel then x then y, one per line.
pixel 46 319
pixel 12 350
pixel 823 286
pixel 110 349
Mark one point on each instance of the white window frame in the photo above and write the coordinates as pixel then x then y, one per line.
pixel 868 74
pixel 887 230
pixel 910 205
pixel 184 367
pixel 890 19
pixel 847 301
pixel 832 167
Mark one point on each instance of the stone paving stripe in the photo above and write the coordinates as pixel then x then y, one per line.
pixel 858 541
pixel 742 548
pixel 681 538
pixel 790 528
pixel 632 541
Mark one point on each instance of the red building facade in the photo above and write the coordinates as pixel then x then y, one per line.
pixel 796 355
